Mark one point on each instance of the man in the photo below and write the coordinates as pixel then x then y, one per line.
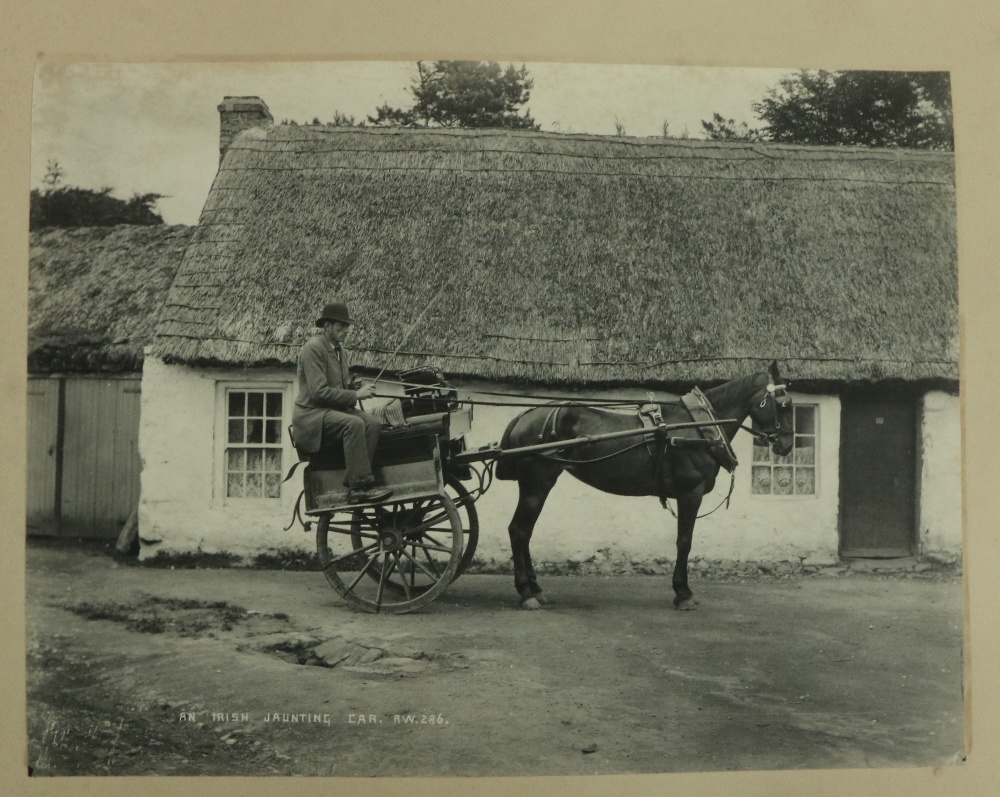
pixel 326 412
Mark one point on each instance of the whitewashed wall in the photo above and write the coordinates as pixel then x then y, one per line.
pixel 183 508
pixel 941 477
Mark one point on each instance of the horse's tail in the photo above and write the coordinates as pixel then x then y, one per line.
pixel 506 469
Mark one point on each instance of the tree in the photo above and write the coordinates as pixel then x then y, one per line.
pixel 53 174
pixel 861 108
pixel 341 119
pixel 722 129
pixel 463 94
pixel 68 206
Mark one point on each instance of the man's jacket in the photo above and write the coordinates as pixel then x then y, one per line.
pixel 323 385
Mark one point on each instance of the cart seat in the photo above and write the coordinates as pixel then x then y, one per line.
pixel 395 445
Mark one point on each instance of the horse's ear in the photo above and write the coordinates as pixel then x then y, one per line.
pixel 775 377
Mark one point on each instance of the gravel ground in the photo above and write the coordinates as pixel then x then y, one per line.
pixel 135 670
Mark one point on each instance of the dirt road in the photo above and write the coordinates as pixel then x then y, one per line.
pixel 134 670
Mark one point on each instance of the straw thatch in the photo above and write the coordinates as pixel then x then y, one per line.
pixel 95 294
pixel 534 257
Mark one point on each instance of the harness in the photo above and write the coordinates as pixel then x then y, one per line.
pixel 709 436
pixel 700 409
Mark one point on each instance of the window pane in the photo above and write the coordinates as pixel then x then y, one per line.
pixel 237 404
pixel 254 485
pixel 236 431
pixel 805 420
pixel 273 405
pixel 805 451
pixel 762 480
pixel 235 459
pixel 761 453
pixel 782 481
pixel 272 460
pixel 234 485
pixel 805 481
pixel 272 485
pixel 255 405
pixel 255 431
pixel 272 432
pixel 785 459
pixel 255 459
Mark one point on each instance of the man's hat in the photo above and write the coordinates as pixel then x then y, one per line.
pixel 335 311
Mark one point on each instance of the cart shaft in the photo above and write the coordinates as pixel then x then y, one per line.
pixel 494 452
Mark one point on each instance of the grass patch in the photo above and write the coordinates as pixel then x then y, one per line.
pixel 197 560
pixel 155 615
pixel 286 560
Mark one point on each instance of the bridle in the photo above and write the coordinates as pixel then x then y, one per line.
pixel 778 394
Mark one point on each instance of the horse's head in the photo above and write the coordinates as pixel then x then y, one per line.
pixel 771 410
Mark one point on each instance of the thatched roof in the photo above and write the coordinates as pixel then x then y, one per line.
pixel 94 294
pixel 572 258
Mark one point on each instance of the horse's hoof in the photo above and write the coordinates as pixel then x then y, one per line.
pixel 543 599
pixel 685 605
pixel 531 603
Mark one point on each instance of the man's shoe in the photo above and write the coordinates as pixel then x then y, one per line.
pixel 367 495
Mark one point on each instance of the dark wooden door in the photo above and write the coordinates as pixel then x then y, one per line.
pixel 878 477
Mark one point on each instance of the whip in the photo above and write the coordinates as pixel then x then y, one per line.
pixel 413 326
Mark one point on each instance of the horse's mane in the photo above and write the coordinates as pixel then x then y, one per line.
pixel 733 391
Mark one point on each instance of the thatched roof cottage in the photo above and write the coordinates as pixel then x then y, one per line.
pixel 94 296
pixel 591 263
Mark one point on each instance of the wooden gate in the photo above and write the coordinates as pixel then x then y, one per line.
pixel 878 477
pixel 43 456
pixel 90 482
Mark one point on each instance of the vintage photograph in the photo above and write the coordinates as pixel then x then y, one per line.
pixel 476 418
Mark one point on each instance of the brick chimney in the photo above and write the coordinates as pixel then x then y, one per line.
pixel 237 114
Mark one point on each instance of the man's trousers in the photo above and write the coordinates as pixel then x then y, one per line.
pixel 358 432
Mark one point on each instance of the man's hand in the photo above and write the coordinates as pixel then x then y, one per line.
pixel 365 392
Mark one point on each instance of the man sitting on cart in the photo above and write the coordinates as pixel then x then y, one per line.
pixel 326 412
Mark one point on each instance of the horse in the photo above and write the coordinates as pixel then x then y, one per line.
pixel 682 465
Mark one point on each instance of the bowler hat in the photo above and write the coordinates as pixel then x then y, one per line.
pixel 334 311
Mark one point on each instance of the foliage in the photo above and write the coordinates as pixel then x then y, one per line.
pixel 463 94
pixel 341 119
pixel 722 129
pixel 860 108
pixel 69 206
pixel 82 207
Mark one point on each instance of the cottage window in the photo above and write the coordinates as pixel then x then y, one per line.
pixel 795 473
pixel 253 443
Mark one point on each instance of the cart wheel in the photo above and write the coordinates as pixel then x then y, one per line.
pixel 395 557
pixel 466 506
pixel 364 519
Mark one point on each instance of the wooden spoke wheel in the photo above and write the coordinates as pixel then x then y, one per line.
pixel 432 514
pixel 395 557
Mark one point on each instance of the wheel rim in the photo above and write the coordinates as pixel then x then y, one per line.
pixel 392 558
pixel 469 518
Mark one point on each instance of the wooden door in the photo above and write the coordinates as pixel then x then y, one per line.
pixel 878 477
pixel 43 457
pixel 100 477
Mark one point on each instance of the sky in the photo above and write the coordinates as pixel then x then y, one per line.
pixel 154 128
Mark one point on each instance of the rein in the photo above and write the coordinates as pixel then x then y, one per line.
pixel 537 400
pixel 732 484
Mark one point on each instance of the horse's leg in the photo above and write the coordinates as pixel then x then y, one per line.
pixel 535 480
pixel 687 510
